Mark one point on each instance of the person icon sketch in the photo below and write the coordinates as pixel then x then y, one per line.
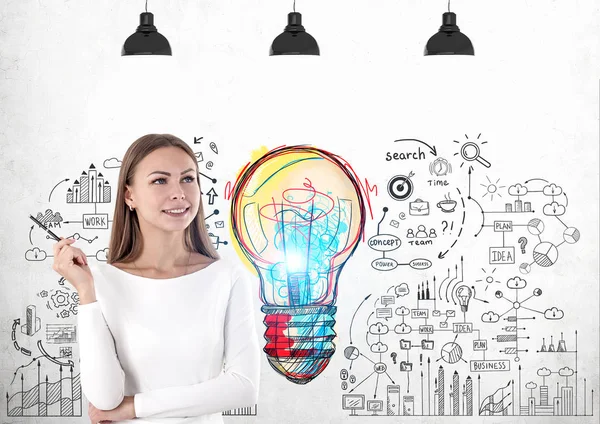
pixel 410 233
pixel 432 233
pixel 166 327
pixel 421 233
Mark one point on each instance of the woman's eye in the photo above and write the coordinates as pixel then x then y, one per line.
pixel 192 179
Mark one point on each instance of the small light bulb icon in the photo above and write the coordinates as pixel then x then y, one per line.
pixel 464 294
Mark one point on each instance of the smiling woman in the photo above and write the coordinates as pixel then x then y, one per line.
pixel 161 205
pixel 172 336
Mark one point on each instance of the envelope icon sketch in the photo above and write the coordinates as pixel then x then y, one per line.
pixel 418 208
pixel 450 313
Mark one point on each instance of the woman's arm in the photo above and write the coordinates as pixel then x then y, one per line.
pixel 236 387
pixel 102 378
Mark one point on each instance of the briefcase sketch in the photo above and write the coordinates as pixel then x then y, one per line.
pixel 418 208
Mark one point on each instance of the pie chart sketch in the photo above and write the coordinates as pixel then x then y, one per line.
pixel 525 268
pixel 571 235
pixel 451 353
pixel 535 227
pixel 545 254
pixel 351 353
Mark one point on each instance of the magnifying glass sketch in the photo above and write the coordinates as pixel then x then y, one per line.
pixel 470 151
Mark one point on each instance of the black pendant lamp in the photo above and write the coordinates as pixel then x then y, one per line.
pixel 449 39
pixel 294 39
pixel 146 39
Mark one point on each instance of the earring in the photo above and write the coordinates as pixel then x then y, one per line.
pixel 130 208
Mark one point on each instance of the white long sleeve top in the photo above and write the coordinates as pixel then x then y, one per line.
pixel 186 348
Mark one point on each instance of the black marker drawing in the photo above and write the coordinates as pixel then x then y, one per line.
pixel 491 188
pixel 440 167
pixel 61 398
pixel 447 205
pixel 549 391
pixel 498 403
pixel 61 333
pixel 388 242
pixel 65 352
pixel 470 151
pixel 393 323
pixel 401 187
pixel 489 278
pixel 452 204
pixel 418 208
pixel 247 411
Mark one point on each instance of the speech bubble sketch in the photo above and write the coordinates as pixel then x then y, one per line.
pixel 401 290
pixel 387 300
pixel 383 313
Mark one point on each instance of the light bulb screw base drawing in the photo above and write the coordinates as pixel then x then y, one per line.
pixel 299 340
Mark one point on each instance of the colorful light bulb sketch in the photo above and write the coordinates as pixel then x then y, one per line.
pixel 298 214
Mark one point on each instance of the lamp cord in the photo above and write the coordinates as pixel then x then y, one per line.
pixel 294 5
pixel 448 5
pixel 146 6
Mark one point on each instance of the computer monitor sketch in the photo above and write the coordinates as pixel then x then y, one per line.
pixel 353 402
pixel 375 406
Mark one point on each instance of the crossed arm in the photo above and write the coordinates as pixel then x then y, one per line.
pixel 103 379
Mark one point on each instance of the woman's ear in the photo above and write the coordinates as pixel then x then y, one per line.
pixel 127 193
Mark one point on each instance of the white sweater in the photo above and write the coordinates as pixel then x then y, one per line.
pixel 183 347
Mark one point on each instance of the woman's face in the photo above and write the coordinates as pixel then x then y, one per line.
pixel 164 180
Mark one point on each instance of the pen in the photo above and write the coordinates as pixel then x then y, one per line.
pixel 54 236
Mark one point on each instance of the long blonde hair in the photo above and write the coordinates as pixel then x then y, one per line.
pixel 125 239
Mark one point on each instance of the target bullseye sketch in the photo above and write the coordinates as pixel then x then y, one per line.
pixel 400 187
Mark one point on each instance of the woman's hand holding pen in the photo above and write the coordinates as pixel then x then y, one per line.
pixel 71 263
